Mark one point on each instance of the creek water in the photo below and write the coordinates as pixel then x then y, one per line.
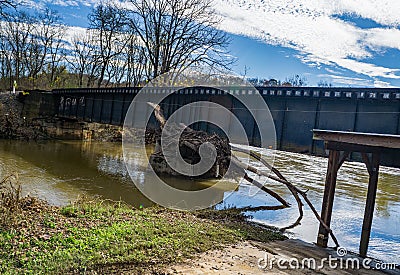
pixel 61 171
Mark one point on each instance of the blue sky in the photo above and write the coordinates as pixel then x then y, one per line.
pixel 344 42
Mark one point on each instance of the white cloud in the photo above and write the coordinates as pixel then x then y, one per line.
pixel 65 3
pixel 368 69
pixel 333 71
pixel 382 84
pixel 345 80
pixel 383 38
pixel 74 32
pixel 37 5
pixel 385 12
pixel 312 28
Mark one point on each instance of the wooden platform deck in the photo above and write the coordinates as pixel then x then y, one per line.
pixel 340 144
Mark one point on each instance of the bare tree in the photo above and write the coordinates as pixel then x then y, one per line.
pixel 43 54
pixel 136 62
pixel 80 55
pixel 93 65
pixel 34 56
pixel 51 35
pixel 115 71
pixel 17 32
pixel 108 21
pixel 83 59
pixel 178 35
pixel 5 62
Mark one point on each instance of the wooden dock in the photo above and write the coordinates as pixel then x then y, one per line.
pixel 340 144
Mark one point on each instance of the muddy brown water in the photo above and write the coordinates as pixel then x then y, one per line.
pixel 60 171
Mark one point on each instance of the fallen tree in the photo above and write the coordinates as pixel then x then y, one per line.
pixel 189 143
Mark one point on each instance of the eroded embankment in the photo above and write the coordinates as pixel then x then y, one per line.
pixel 14 124
pixel 22 119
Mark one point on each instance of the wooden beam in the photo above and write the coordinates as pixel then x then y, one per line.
pixel 370 204
pixel 343 157
pixel 367 162
pixel 350 147
pixel 329 194
pixel 366 139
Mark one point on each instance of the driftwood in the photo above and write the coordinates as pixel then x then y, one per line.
pixel 189 143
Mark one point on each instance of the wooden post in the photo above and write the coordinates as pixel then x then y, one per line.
pixel 329 194
pixel 373 170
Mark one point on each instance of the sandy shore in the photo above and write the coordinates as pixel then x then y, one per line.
pixel 245 258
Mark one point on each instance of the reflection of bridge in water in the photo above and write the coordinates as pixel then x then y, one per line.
pixel 295 111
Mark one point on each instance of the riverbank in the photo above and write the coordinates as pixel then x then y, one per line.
pixel 102 237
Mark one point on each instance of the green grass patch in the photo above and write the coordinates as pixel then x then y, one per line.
pixel 102 236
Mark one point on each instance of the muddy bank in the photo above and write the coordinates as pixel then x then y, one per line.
pixel 252 257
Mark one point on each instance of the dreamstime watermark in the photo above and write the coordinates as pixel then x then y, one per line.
pixel 210 99
pixel 343 261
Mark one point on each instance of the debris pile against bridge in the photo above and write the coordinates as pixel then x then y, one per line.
pixel 189 142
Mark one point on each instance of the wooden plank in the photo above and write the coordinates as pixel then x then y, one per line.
pixel 329 194
pixel 350 147
pixel 370 204
pixel 368 139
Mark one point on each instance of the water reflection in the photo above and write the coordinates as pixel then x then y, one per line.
pixel 61 171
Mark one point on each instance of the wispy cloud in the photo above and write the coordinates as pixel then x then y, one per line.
pixel 382 84
pixel 37 5
pixel 312 28
pixel 65 3
pixel 333 71
pixel 383 38
pixel 345 80
pixel 385 12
